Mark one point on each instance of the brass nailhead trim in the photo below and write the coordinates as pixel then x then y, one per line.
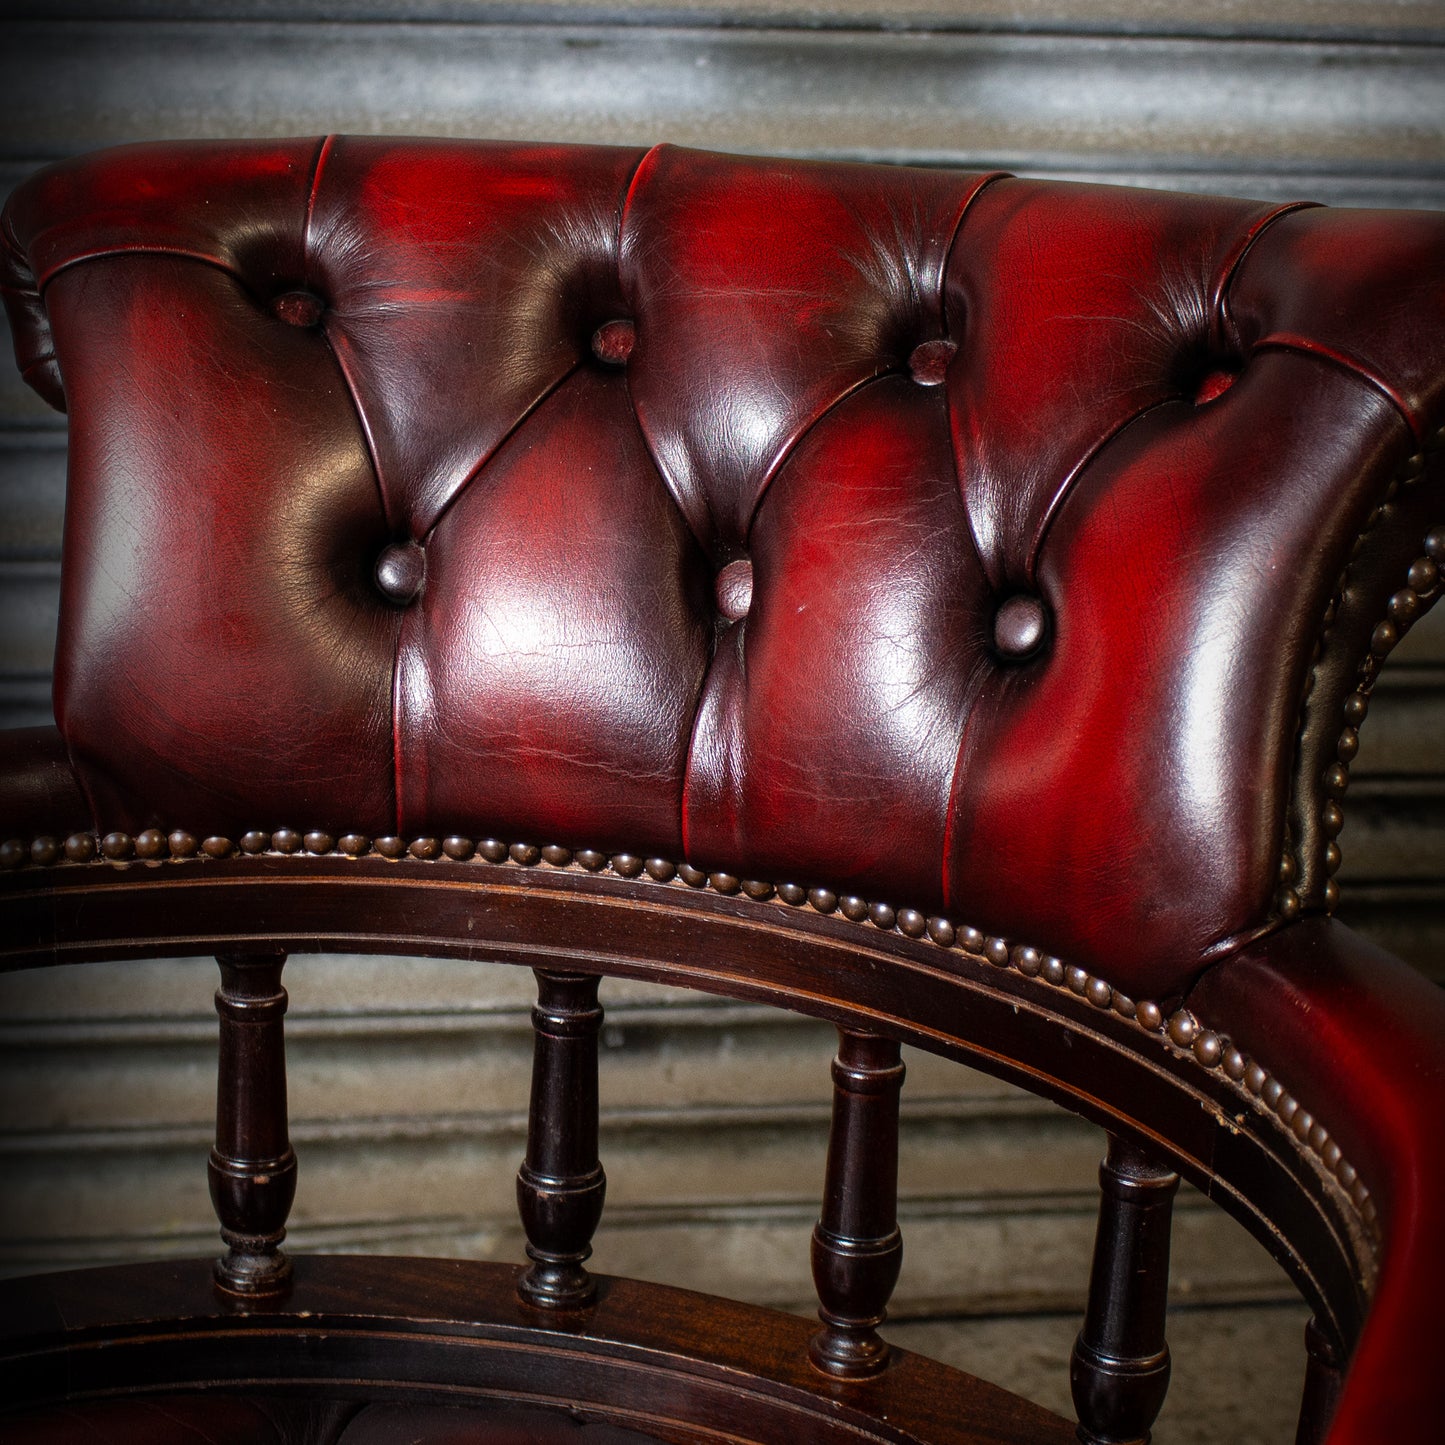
pixel 1179 1031
pixel 1423 581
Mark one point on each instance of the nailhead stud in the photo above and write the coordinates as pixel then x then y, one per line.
pixel 911 923
pixel 823 899
pixel 1182 1028
pixel 942 932
pixel 1208 1050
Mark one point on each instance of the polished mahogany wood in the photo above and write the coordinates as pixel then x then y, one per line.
pixel 1119 1370
pixel 1324 1380
pixel 252 1168
pixel 561 1185
pixel 767 546
pixel 857 1247
pixel 685 1368
pixel 944 997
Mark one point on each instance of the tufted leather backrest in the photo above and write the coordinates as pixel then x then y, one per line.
pixel 958 539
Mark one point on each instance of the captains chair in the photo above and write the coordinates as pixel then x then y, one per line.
pixel 942 604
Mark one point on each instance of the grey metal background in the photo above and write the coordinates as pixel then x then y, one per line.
pixel 1326 99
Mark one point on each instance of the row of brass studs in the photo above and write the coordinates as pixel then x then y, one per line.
pixel 1422 586
pixel 1421 583
pixel 1180 1029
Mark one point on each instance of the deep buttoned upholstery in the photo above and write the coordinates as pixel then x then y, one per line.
pixel 1036 492
pixel 1012 561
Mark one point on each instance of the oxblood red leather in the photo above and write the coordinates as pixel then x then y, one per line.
pixel 1362 1037
pixel 957 539
pixel 38 791
pixel 584 381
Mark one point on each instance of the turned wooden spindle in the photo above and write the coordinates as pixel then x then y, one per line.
pixel 857 1249
pixel 252 1167
pixel 561 1186
pixel 1324 1379
pixel 1120 1365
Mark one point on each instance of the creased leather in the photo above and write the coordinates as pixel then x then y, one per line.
pixel 1359 1038
pixel 901 397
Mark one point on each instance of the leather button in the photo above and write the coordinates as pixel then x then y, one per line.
pixel 734 589
pixel 401 571
pixel 1214 384
pixel 1019 627
pixel 612 342
pixel 928 363
pixel 298 308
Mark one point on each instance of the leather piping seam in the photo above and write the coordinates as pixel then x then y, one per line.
pixel 989 180
pixel 548 390
pixel 112 253
pixel 695 510
pixel 1220 317
pixel 531 408
pixel 1066 487
pixel 1303 346
pixel 323 151
pixel 1219 323
pixel 790 445
pixel 1383 639
pixel 1180 1031
pixel 946 265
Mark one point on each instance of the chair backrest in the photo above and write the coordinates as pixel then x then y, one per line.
pixel 951 599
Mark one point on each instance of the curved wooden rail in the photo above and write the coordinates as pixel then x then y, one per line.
pixel 1162 1080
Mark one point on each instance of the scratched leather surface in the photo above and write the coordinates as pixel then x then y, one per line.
pixel 903 398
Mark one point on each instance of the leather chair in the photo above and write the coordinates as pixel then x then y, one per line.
pixel 943 604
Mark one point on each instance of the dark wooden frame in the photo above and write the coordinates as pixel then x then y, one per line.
pixel 1163 1081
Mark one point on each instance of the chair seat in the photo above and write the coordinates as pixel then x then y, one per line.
pixel 371 1350
pixel 231 1419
